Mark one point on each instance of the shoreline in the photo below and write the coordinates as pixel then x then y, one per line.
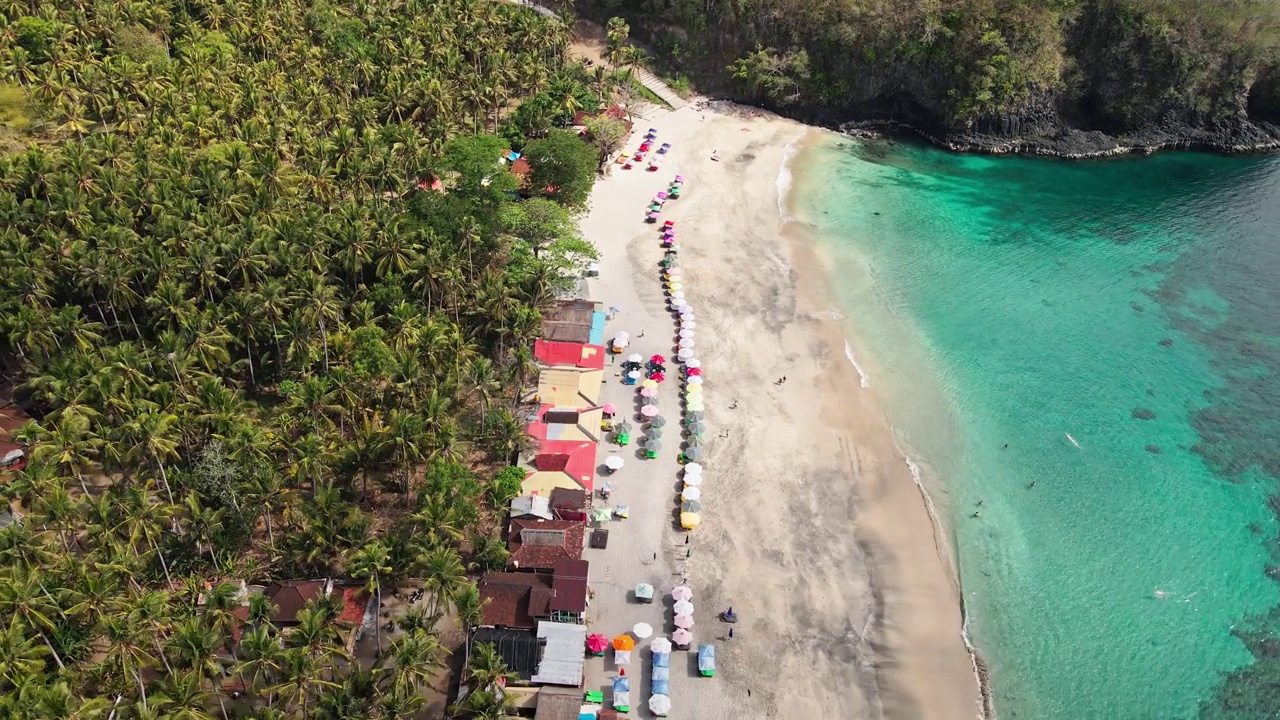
pixel 813 529
pixel 816 272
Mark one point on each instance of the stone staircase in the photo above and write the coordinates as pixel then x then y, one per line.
pixel 659 88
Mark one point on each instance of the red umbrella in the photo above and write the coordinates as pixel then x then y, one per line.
pixel 694 372
pixel 597 643
pixel 657 377
pixel 658 360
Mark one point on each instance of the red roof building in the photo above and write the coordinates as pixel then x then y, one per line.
pixel 561 463
pixel 515 600
pixel 580 355
pixel 537 544
pixel 569 586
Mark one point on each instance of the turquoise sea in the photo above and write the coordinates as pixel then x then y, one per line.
pixel 1083 358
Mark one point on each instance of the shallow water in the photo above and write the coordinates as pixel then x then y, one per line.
pixel 1085 356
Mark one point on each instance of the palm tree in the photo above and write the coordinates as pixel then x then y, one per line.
pixel 23 598
pixel 20 656
pixel 152 435
pixel 69 444
pixel 416 657
pixel 443 573
pixel 371 563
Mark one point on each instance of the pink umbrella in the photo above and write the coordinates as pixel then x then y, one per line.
pixel 649 392
pixel 609 409
pixel 658 376
pixel 598 643
pixel 684 621
pixel 658 360
pixel 693 371
pixel 679 178
pixel 649 410
pixel 653 216
pixel 681 592
pixel 681 637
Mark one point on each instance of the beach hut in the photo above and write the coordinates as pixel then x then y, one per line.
pixel 644 593
pixel 707 660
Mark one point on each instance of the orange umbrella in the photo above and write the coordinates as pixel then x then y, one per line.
pixel 624 642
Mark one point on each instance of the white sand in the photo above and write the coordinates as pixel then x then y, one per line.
pixel 814 530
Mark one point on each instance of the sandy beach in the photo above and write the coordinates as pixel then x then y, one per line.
pixel 813 528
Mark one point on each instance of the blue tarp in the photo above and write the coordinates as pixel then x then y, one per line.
pixel 661 687
pixel 661 660
pixel 662 673
pixel 597 328
pixel 621 684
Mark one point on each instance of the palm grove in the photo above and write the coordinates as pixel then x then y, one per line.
pixel 271 296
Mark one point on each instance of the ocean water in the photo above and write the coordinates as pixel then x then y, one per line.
pixel 1083 359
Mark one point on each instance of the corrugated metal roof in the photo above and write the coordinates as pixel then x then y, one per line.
pixel 563 654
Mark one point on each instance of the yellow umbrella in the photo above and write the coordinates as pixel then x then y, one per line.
pixel 689 520
pixel 692 389
pixel 649 382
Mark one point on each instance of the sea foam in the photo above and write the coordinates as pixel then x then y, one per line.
pixel 785 178
pixel 863 380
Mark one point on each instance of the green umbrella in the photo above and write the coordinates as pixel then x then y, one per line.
pixel 650 401
pixel 653 432
pixel 694 441
pixel 693 416
pixel 622 428
pixel 697 428
pixel 657 421
pixel 693 454
pixel 652 444
pixel 690 506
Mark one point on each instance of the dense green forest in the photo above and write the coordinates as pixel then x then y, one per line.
pixel 269 295
pixel 1001 66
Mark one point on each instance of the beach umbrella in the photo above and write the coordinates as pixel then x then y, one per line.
pixel 686 333
pixel 688 324
pixel 692 506
pixel 657 421
pixel 658 360
pixel 681 592
pixel 635 375
pixel 692 480
pixel 692 372
pixel 695 404
pixel 659 705
pixel 682 607
pixel 648 400
pixel 660 645
pixel 684 354
pixel 687 343
pixel 648 392
pixel 601 515
pixel 682 621
pixel 697 428
pixel 689 520
pixel 693 364
pixel 674 286
pixel 691 493
pixel 692 468
pixel 688 312
pixel 613 462
pixel 682 637
pixel 622 427
pixel 624 643
pixel 609 409
pixel 653 432
pixel 693 380
pixel 642 630
pixel 695 441
pixel 693 389
pixel 693 453
pixel 597 643
pixel 653 444
pixel 692 417
pixel 658 376
pixel 677 295
pixel 649 410
pixel 649 382
pixel 679 178
pixel 673 272
pixel 635 357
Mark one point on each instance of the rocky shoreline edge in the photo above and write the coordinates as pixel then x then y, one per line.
pixel 1075 144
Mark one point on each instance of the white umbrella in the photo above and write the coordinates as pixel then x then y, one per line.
pixel 679 303
pixel 678 295
pixel 613 462
pixel 660 645
pixel 692 480
pixel 659 705
pixel 695 403
pixel 688 314
pixel 695 380
pixel 684 621
pixel 681 592
pixel 642 630
pixel 692 469
pixel 682 607
pixel 635 357
pixel 673 271
pixel 691 493
pixel 684 354
pixel 693 363
pixel 686 333
pixel 649 410
pixel 687 343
